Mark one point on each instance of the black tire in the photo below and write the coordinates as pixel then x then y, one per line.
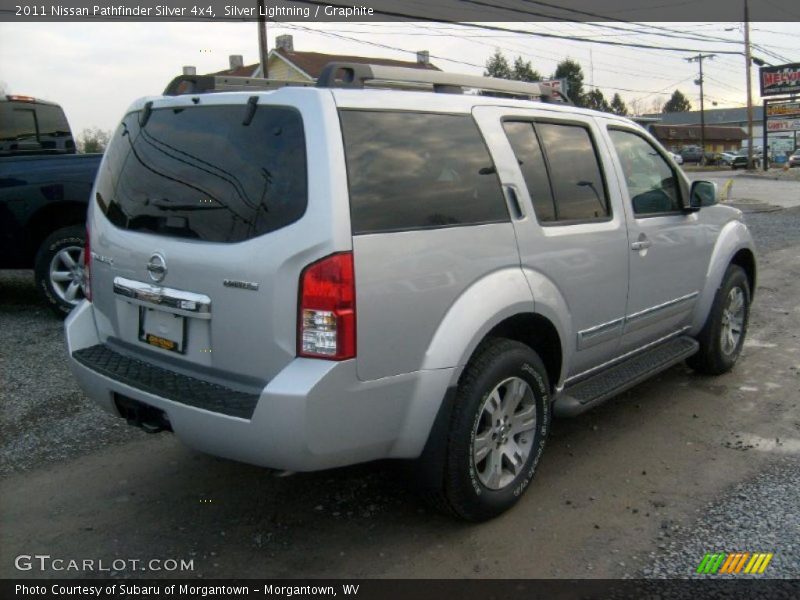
pixel 58 241
pixel 460 490
pixel 713 358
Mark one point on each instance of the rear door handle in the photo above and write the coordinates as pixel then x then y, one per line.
pixel 513 202
pixel 641 245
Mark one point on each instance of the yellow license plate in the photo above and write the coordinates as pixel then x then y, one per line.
pixel 162 329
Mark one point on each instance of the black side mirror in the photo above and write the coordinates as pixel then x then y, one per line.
pixel 703 193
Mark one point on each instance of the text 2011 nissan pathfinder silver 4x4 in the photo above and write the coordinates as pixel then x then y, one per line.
pixel 309 277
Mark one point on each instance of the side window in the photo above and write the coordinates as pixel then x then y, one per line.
pixel 575 173
pixel 652 184
pixel 411 170
pixel 526 148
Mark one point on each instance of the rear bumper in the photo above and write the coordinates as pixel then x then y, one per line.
pixel 314 414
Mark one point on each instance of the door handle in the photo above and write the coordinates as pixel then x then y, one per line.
pixel 514 204
pixel 641 245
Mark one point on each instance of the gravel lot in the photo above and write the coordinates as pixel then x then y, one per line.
pixel 759 515
pixel 44 415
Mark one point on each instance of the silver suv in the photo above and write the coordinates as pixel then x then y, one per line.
pixel 310 277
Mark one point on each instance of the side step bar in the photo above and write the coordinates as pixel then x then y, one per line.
pixel 596 389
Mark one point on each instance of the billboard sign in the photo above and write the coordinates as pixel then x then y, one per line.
pixel 776 125
pixel 780 80
pixel 783 109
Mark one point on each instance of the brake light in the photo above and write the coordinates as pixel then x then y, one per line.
pixel 326 317
pixel 87 267
pixel 17 98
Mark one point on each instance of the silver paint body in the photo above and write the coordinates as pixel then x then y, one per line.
pixel 425 299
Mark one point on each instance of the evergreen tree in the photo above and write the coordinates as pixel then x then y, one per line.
pixel 618 106
pixel 524 71
pixel 677 103
pixel 571 71
pixel 497 66
pixel 597 101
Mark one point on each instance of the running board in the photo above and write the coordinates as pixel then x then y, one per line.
pixel 596 389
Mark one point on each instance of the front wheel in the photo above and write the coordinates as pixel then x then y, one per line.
pixel 722 337
pixel 59 269
pixel 497 432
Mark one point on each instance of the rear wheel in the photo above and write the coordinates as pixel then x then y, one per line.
pixel 723 335
pixel 59 269
pixel 497 431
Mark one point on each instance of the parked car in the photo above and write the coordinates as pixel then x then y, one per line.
pixel 338 274
pixel 727 158
pixel 677 158
pixel 44 193
pixel 740 160
pixel 794 159
pixel 691 154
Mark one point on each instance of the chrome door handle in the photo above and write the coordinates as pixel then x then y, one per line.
pixel 641 245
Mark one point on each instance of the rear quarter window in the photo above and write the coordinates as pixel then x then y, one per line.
pixel 199 172
pixel 409 170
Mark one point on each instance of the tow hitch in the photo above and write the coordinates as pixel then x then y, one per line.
pixel 142 415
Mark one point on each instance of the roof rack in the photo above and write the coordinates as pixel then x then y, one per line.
pixel 357 76
pixel 201 84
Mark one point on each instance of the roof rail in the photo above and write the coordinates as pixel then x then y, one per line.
pixel 201 84
pixel 356 75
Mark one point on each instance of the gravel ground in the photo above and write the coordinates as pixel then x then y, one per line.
pixel 760 515
pixel 774 230
pixel 62 422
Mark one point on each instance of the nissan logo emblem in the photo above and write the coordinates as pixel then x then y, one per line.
pixel 157 267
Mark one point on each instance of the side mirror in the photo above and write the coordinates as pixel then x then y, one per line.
pixel 703 193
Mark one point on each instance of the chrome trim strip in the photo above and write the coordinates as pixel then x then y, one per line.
pixel 622 357
pixel 599 333
pixel 656 308
pixel 179 301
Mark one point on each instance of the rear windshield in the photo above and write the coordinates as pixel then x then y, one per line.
pixel 206 172
pixel 33 127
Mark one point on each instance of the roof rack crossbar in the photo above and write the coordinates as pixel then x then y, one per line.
pixel 201 84
pixel 357 75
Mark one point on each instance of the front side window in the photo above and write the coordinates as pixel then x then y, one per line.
pixel 410 170
pixel 652 184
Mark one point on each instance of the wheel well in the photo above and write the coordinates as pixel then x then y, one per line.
pixel 49 219
pixel 540 334
pixel 745 259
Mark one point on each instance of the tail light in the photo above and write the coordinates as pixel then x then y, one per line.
pixel 87 267
pixel 326 317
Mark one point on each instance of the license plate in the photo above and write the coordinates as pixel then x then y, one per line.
pixel 162 329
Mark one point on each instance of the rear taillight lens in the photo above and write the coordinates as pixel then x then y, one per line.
pixel 87 267
pixel 327 309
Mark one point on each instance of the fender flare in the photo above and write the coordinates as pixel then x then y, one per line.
pixel 488 302
pixel 733 237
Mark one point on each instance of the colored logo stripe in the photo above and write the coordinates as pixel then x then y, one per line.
pixel 734 562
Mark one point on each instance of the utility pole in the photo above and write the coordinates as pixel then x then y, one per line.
pixel 262 38
pixel 748 62
pixel 699 59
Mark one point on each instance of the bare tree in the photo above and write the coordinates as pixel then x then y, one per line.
pixel 93 140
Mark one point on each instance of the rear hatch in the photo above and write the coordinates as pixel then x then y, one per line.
pixel 205 211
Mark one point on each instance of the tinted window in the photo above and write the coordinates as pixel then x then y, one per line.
pixel 652 185
pixel 17 126
pixel 415 171
pixel 531 162
pixel 52 121
pixel 574 171
pixel 200 173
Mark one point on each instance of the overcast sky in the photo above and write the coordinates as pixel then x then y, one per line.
pixel 95 70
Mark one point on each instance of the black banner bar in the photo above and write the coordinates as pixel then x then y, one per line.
pixel 438 589
pixel 476 11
